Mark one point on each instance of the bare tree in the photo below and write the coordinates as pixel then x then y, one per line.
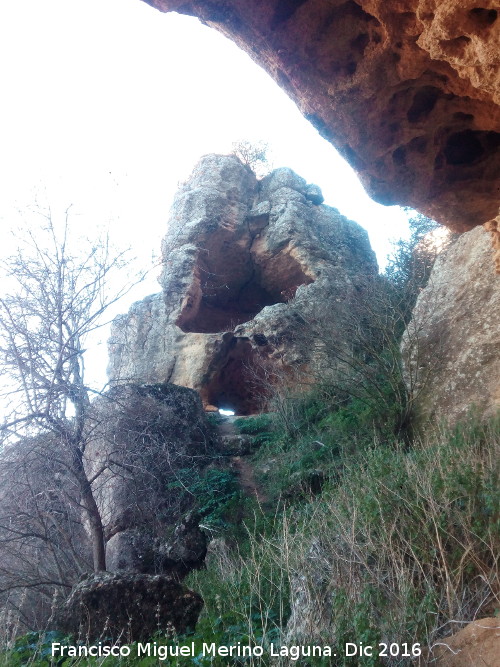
pixel 60 291
pixel 253 155
pixel 44 546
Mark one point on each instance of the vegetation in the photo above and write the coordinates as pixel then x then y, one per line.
pixel 366 534
pixel 400 544
pixel 216 491
pixel 411 261
pixel 58 289
pixel 254 155
pixel 59 296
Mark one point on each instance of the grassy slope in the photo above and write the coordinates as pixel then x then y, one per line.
pixel 393 542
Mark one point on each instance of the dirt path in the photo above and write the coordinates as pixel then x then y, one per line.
pixel 247 478
pixel 227 427
pixel 241 464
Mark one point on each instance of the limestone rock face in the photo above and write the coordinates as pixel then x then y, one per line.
pixel 242 258
pixel 452 344
pixel 128 607
pixel 407 90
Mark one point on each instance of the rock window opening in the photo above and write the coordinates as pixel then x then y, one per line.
pixel 238 383
pixel 227 412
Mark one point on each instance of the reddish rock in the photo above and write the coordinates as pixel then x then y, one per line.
pixel 407 90
pixel 476 644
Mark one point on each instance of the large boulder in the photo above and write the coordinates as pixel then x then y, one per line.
pixel 244 262
pixel 128 607
pixel 407 90
pixel 141 436
pixel 452 344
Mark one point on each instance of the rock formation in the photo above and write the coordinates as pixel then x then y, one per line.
pixel 137 438
pixel 243 261
pixel 142 436
pixel 478 643
pixel 452 344
pixel 128 607
pixel 408 91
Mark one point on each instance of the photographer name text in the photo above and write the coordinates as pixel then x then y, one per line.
pixel 239 650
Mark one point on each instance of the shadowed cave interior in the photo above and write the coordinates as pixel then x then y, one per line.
pixel 231 289
pixel 239 382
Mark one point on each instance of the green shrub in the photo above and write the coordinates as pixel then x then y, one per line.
pixel 214 419
pixel 216 491
pixel 253 425
pixel 34 648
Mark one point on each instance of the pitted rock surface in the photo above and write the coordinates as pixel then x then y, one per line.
pixel 407 90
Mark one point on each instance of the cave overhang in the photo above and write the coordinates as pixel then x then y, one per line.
pixel 407 92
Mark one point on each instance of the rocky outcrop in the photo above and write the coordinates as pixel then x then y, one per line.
pixel 452 344
pixel 244 260
pixel 142 435
pixel 476 644
pixel 136 439
pixel 128 607
pixel 408 91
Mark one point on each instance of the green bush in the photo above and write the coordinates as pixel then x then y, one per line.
pixel 34 648
pixel 253 425
pixel 216 491
pixel 214 419
pixel 261 428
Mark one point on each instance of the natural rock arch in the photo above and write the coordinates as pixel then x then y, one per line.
pixel 242 259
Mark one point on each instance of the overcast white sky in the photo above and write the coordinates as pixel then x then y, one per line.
pixel 108 104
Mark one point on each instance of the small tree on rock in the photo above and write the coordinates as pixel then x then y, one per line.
pixel 253 154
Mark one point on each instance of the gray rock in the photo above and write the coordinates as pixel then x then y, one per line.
pixel 452 344
pixel 236 445
pixel 187 548
pixel 127 607
pixel 142 435
pixel 284 177
pixel 243 260
pixel 314 195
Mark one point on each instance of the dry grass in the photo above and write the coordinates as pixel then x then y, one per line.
pixel 405 549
